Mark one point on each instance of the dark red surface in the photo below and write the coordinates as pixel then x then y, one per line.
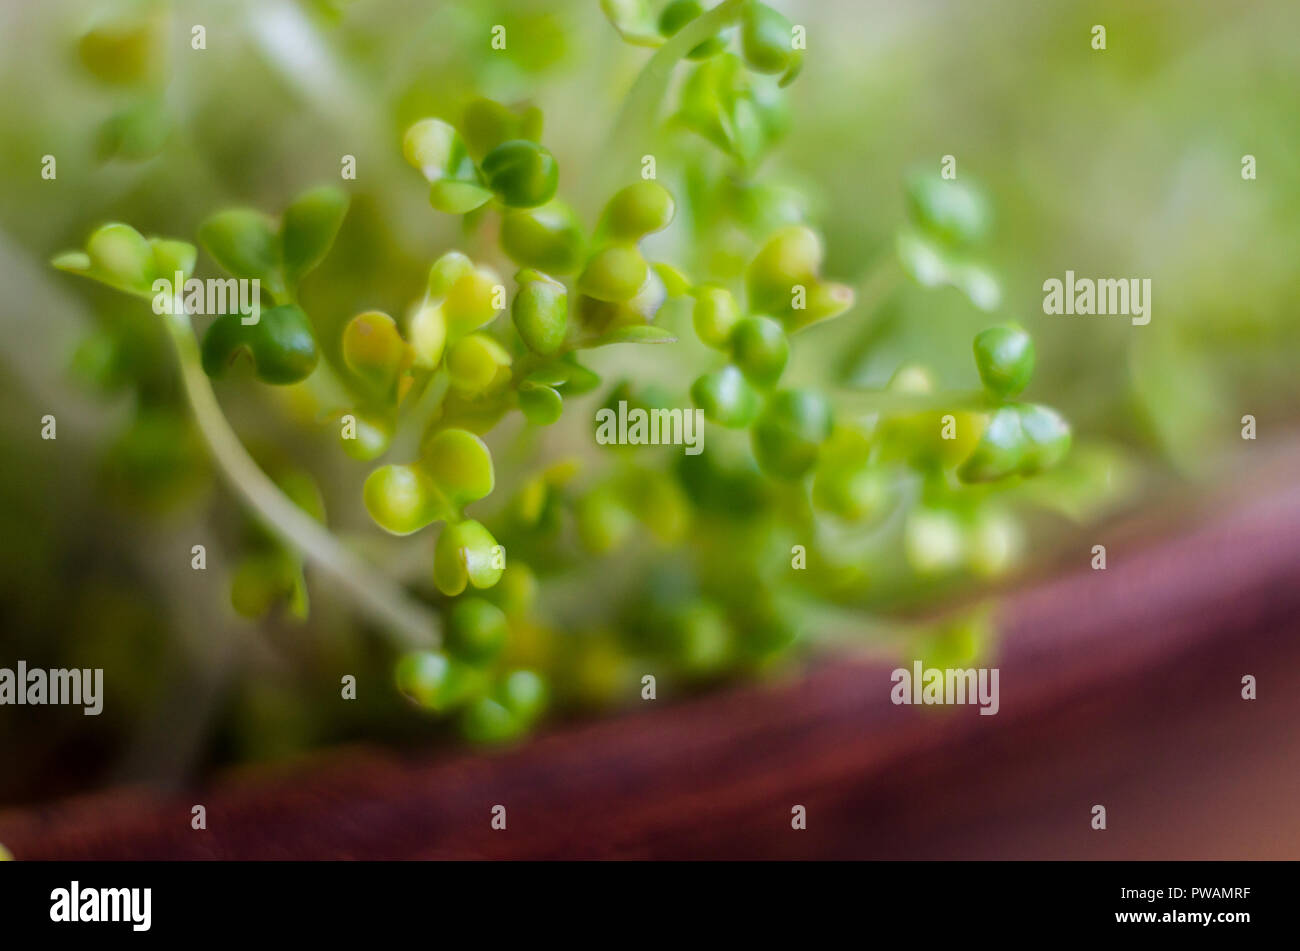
pixel 1119 687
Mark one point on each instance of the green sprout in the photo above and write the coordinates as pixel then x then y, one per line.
pixel 884 490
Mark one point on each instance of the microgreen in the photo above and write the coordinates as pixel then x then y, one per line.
pixel 852 477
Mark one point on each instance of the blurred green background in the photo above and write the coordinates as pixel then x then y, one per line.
pixel 1117 163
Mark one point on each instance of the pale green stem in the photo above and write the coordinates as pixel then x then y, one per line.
pixel 399 616
pixel 410 432
pixel 881 281
pixel 641 107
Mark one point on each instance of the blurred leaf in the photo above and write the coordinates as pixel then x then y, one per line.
pixel 635 333
pixel 487 123
pixel 460 465
pixel 311 223
pixel 633 20
pixel 281 344
pixel 119 256
pixel 1180 397
pixel 1091 480
pixel 244 242
pixel 457 197
pixel 126 51
pixel 375 351
pixel 542 405
pixel 932 265
pixel 138 132
pixel 158 463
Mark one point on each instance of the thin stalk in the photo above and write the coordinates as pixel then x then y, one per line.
pixel 884 277
pixel 641 107
pixel 410 431
pixel 400 617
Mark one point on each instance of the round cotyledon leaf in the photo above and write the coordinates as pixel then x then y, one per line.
pixel 309 228
pixel 281 344
pixel 460 465
pixel 466 554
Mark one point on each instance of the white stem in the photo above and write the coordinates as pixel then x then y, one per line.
pixel 399 616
